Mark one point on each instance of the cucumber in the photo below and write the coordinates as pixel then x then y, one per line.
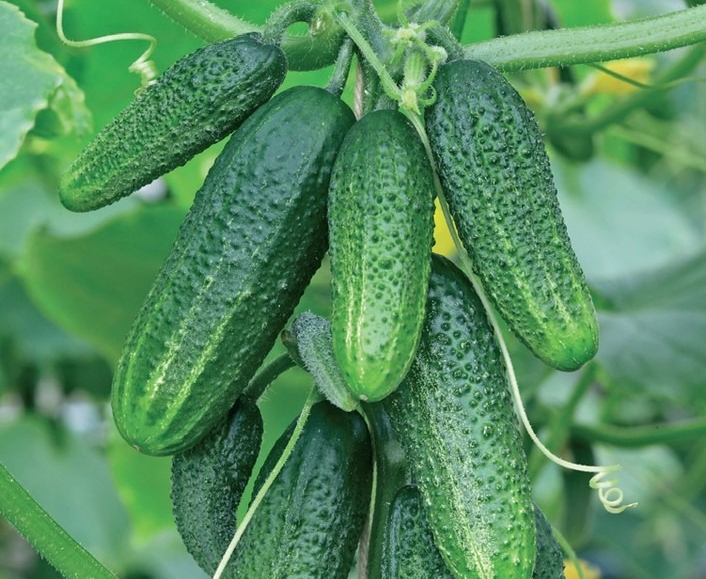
pixel 409 551
pixel 454 417
pixel 198 101
pixel 208 481
pixel 498 183
pixel 550 561
pixel 246 251
pixel 380 235
pixel 311 518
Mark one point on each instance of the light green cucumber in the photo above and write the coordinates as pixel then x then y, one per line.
pixel 380 222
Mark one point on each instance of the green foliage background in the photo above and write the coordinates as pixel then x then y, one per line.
pixel 70 286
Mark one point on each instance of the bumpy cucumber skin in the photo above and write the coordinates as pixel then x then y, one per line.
pixel 409 551
pixel 454 416
pixel 246 251
pixel 311 518
pixel 208 481
pixel 550 561
pixel 498 183
pixel 198 101
pixel 380 229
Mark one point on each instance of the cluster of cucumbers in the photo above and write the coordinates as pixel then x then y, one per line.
pixel 412 462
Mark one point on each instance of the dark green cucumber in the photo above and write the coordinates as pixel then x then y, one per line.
pixel 498 183
pixel 550 560
pixel 208 481
pixel 311 518
pixel 454 416
pixel 198 101
pixel 380 230
pixel 246 251
pixel 409 551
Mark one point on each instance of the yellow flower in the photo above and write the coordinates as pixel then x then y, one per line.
pixel 443 242
pixel 589 572
pixel 636 69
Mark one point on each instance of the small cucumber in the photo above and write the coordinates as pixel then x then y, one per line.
pixel 208 481
pixel 409 551
pixel 380 229
pixel 498 183
pixel 198 101
pixel 311 518
pixel 246 251
pixel 454 416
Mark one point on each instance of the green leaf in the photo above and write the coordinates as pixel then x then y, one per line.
pixel 31 336
pixel 619 221
pixel 144 485
pixel 93 285
pixel 652 329
pixel 32 81
pixel 70 481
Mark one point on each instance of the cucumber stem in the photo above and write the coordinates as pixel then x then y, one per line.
pixel 313 398
pixel 586 44
pixel 568 551
pixel 268 374
pixel 50 540
pixel 639 436
pixel 339 77
pixel 284 17
pixel 212 23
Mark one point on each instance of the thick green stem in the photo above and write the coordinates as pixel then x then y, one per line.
pixel 601 43
pixel 267 375
pixel 49 539
pixel 618 111
pixel 211 23
pixel 639 436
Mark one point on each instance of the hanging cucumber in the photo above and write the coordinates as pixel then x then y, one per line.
pixel 198 101
pixel 498 183
pixel 310 520
pixel 208 481
pixel 246 251
pixel 550 560
pixel 454 416
pixel 380 222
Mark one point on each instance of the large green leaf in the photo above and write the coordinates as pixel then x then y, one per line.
pixel 144 486
pixel 70 480
pixel 619 221
pixel 93 285
pixel 652 329
pixel 31 81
